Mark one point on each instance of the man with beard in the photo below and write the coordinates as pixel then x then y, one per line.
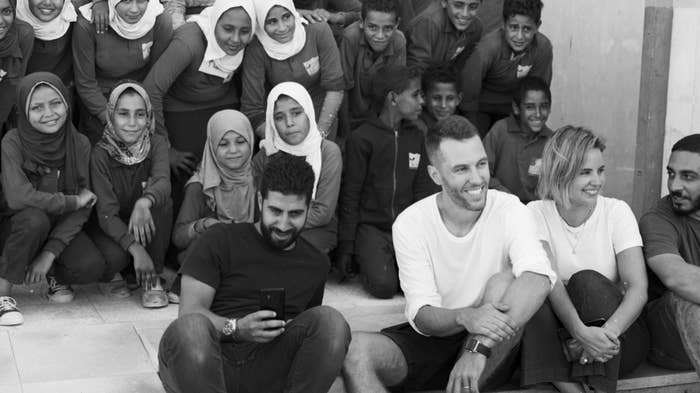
pixel 473 273
pixel 671 234
pixel 222 340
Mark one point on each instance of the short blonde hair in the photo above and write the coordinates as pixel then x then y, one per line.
pixel 562 160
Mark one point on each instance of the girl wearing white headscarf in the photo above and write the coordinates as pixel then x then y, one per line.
pixel 52 51
pixel 138 34
pixel 287 49
pixel 323 155
pixel 193 79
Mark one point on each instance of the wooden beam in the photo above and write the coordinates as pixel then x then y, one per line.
pixel 656 54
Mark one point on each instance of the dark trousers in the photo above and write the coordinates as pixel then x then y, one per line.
pixel 674 327
pixel 24 234
pixel 374 253
pixel 306 358
pixel 594 297
pixel 91 126
pixel 117 258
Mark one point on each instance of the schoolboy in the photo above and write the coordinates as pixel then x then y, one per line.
pixel 491 75
pixel 442 96
pixel 367 45
pixel 444 35
pixel 514 145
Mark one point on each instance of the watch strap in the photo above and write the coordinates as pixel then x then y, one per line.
pixel 475 346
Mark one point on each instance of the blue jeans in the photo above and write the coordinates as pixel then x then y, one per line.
pixel 307 357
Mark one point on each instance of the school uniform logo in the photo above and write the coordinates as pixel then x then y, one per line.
pixel 413 160
pixel 146 49
pixel 2 74
pixel 535 167
pixel 523 70
pixel 312 66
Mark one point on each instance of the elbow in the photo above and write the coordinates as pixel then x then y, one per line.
pixel 678 283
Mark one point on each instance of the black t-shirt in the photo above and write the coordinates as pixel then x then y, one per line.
pixel 235 260
pixel 665 232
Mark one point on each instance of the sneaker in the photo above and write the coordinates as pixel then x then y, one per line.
pixel 131 283
pixel 119 289
pixel 59 293
pixel 154 296
pixel 173 297
pixel 9 313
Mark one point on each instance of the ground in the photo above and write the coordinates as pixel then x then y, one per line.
pixel 101 344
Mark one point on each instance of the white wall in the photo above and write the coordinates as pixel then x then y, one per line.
pixel 597 62
pixel 683 110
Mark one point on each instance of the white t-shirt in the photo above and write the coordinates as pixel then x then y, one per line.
pixel 439 269
pixel 611 229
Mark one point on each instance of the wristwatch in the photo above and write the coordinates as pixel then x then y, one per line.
pixel 230 327
pixel 475 346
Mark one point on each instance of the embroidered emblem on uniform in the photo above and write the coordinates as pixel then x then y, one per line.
pixel 413 160
pixel 146 49
pixel 523 70
pixel 457 51
pixel 312 65
pixel 2 74
pixel 535 167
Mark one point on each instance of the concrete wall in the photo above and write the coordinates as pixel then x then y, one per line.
pixel 597 61
pixel 683 108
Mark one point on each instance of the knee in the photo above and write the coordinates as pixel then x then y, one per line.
pixel 330 325
pixel 359 356
pixel 588 281
pixel 32 220
pixel 188 338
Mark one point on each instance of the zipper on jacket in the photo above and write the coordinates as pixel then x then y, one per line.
pixel 393 190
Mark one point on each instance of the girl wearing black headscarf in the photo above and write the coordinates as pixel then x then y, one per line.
pixel 45 183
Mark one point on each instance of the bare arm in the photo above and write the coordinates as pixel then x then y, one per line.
pixel 677 275
pixel 630 264
pixel 197 298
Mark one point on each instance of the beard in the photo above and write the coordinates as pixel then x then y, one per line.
pixel 267 232
pixel 456 196
pixel 681 209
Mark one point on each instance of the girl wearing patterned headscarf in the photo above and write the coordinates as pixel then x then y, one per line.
pixel 52 22
pixel 131 176
pixel 47 200
pixel 290 128
pixel 195 79
pixel 138 34
pixel 286 49
pixel 16 41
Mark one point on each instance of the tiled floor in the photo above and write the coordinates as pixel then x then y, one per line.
pixel 107 345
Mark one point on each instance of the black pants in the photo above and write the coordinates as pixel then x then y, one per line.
pixel 24 234
pixel 594 297
pixel 374 253
pixel 673 320
pixel 306 358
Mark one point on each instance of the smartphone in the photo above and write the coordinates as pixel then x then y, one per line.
pixel 273 299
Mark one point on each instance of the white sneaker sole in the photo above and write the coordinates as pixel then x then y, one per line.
pixel 11 318
pixel 67 298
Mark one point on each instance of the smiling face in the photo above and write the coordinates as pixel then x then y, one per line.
pixel 519 31
pixel 233 31
pixel 586 186
pixel 280 24
pixel 462 169
pixel 282 217
pixel 461 12
pixel 47 112
pixel 684 182
pixel 533 111
pixel 131 10
pixel 130 117
pixel 291 121
pixel 442 100
pixel 7 16
pixel 46 10
pixel 233 150
pixel 378 28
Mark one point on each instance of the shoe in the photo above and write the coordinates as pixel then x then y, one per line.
pixel 131 283
pixel 59 293
pixel 119 289
pixel 154 296
pixel 9 313
pixel 173 297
